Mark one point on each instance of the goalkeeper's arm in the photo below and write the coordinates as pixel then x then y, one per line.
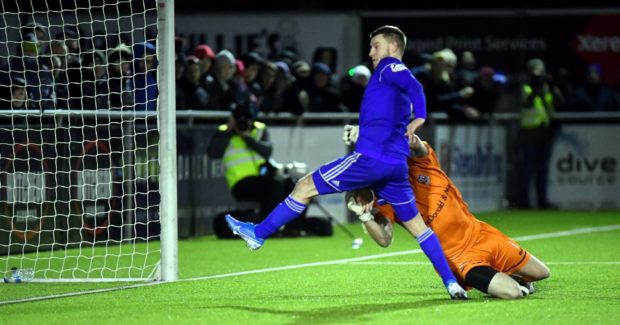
pixel 376 225
pixel 379 229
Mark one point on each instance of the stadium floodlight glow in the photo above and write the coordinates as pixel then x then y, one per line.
pixel 87 150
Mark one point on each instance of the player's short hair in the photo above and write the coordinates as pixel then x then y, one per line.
pixel 391 33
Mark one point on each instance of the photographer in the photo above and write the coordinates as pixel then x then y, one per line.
pixel 539 97
pixel 245 149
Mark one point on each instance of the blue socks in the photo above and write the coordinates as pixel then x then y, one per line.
pixel 286 211
pixel 432 248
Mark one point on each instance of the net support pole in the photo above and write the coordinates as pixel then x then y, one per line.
pixel 167 141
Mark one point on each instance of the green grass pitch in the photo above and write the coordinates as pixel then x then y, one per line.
pixel 324 281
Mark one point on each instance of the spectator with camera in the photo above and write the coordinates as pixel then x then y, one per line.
pixel 244 146
pixel 539 97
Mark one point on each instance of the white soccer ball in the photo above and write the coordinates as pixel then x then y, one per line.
pixel 357 242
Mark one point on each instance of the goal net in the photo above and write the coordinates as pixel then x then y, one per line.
pixel 80 140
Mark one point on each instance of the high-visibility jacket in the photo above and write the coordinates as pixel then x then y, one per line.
pixel 240 160
pixel 538 114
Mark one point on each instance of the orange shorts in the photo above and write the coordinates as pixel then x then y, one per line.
pixel 491 248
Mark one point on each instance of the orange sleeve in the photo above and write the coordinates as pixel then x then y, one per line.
pixel 386 210
pixel 440 203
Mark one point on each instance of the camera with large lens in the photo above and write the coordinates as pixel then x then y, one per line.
pixel 243 115
pixel 243 124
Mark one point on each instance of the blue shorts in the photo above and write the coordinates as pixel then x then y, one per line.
pixel 356 171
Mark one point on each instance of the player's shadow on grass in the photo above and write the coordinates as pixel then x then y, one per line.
pixel 342 313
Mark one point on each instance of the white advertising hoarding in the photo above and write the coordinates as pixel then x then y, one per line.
pixel 476 164
pixel 315 146
pixel 584 171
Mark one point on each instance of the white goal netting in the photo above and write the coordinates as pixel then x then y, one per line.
pixel 79 168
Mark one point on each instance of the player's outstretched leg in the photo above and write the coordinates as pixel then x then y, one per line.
pixel 245 230
pixel 432 249
pixel 287 210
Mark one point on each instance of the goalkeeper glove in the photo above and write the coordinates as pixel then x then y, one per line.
pixel 359 211
pixel 351 132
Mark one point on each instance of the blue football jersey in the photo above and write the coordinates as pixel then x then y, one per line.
pixel 392 96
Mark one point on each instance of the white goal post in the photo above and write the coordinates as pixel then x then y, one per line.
pixel 88 140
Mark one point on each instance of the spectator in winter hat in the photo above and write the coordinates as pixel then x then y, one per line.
pixel 145 76
pixel 219 89
pixel 205 55
pixel 253 63
pixel 594 95
pixel 13 93
pixel 195 96
pixel 119 77
pixel 353 86
pixel 323 96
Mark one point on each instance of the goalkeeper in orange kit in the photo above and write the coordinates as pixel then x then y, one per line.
pixel 479 255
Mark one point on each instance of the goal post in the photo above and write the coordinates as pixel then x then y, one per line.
pixel 88 140
pixel 167 145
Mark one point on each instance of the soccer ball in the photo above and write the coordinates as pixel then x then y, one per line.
pixel 362 196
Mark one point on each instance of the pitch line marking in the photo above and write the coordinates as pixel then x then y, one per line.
pixel 567 233
pixel 428 263
pixel 299 266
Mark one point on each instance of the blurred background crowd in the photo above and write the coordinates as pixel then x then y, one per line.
pixel 65 71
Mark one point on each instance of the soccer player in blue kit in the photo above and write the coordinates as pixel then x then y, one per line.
pixel 379 161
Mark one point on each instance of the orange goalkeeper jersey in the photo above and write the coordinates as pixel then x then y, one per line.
pixel 441 205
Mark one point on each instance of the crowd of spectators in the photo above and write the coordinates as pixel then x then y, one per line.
pixel 285 82
pixel 67 71
pixel 64 72
pixel 207 80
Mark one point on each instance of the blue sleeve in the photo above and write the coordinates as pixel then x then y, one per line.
pixel 399 76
